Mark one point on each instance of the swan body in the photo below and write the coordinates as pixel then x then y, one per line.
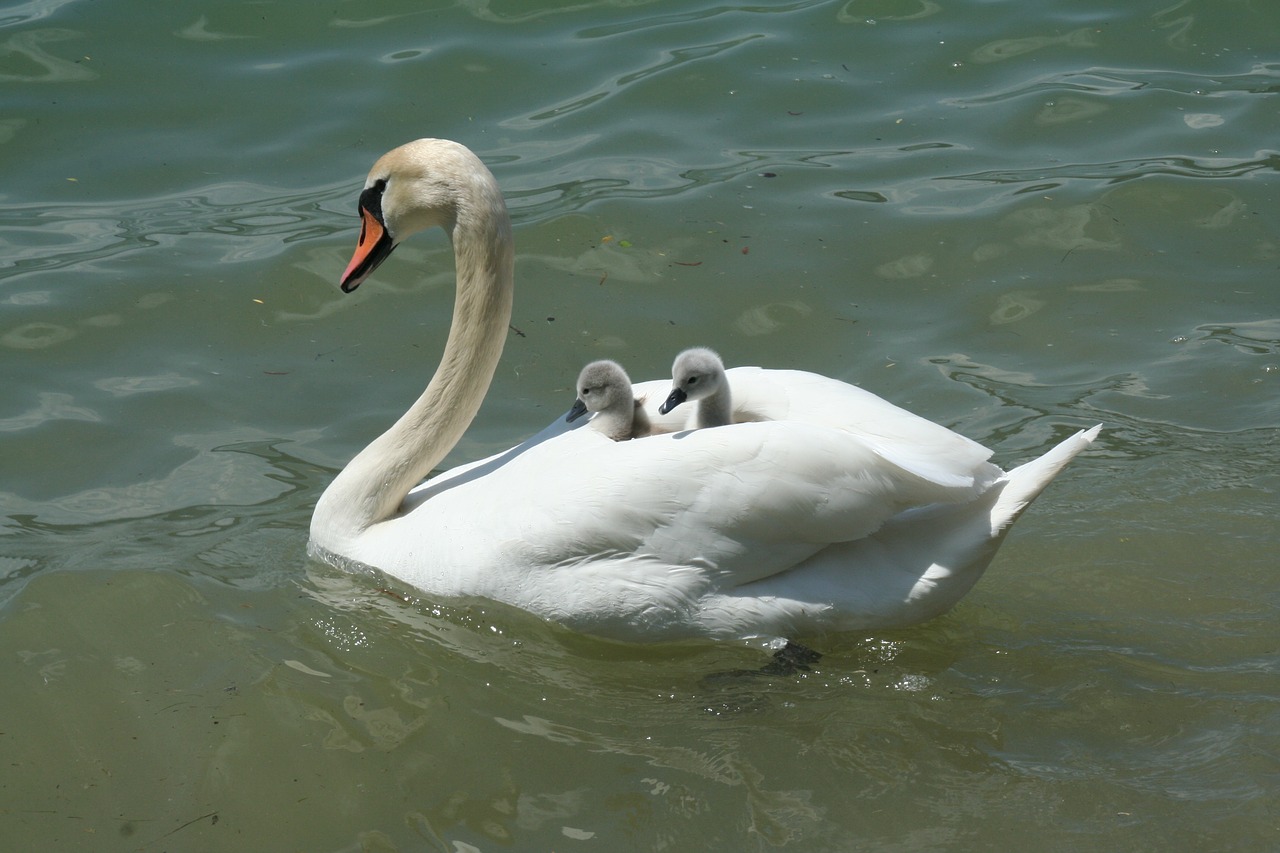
pixel 604 390
pixel 698 374
pixel 822 507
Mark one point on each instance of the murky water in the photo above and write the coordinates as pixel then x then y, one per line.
pixel 1016 222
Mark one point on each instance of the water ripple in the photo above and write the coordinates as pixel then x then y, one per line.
pixel 696 15
pixel 654 178
pixel 32 10
pixel 1005 49
pixel 1043 178
pixel 1259 337
pixel 253 492
pixel 483 10
pixel 24 53
pixel 672 59
pixel 1261 79
pixel 872 11
pixel 41 236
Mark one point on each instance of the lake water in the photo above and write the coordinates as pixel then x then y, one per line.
pixel 1017 219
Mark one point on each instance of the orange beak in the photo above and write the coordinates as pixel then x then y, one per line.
pixel 374 246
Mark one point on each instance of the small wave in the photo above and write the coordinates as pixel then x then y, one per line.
pixel 1125 170
pixel 1261 79
pixel 670 60
pixel 263 221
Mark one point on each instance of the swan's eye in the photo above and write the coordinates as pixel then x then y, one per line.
pixel 371 198
pixel 693 380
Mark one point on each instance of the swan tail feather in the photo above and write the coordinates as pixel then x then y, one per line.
pixel 1025 483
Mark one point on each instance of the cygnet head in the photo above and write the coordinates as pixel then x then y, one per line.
pixel 698 374
pixel 604 389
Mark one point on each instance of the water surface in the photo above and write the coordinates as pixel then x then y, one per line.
pixel 1015 221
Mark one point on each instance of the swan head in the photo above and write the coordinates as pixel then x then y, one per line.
pixel 422 184
pixel 603 386
pixel 697 373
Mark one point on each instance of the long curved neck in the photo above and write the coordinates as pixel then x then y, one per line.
pixel 370 489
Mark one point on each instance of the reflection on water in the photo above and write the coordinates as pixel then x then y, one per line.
pixel 260 220
pixel 25 59
pixel 1017 225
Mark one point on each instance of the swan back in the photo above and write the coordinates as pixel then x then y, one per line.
pixel 823 507
pixel 604 390
pixel 698 375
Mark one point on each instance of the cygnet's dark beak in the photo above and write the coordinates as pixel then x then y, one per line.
pixel 675 398
pixel 579 409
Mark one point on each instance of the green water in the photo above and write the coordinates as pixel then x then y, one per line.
pixel 1017 219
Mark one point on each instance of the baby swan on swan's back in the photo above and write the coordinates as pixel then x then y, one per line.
pixel 698 374
pixel 604 389
pixel 835 511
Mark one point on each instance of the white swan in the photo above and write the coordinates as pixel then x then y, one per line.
pixel 698 375
pixel 604 390
pixel 833 509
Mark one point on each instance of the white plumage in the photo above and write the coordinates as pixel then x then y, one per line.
pixel 829 508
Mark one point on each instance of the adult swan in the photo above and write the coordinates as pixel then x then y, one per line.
pixel 826 508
